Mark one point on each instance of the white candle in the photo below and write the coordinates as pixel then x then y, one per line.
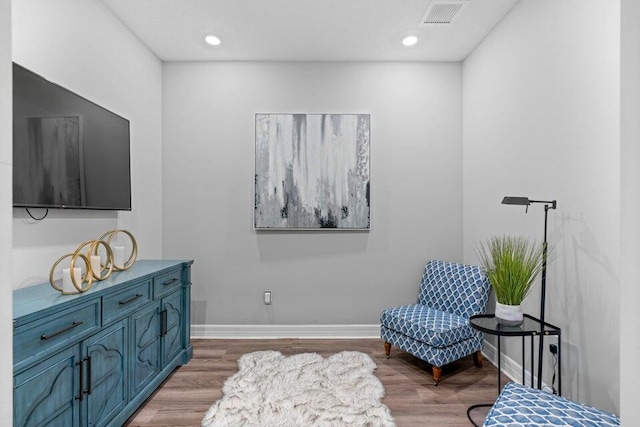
pixel 95 265
pixel 118 256
pixel 67 284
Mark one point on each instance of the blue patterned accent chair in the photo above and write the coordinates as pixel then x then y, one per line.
pixel 437 329
pixel 520 406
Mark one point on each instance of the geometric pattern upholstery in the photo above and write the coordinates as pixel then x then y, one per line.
pixel 436 356
pixel 520 406
pixel 436 329
pixel 454 288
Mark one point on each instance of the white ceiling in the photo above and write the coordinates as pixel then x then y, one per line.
pixel 305 30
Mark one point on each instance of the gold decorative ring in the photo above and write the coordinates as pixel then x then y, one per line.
pixel 109 236
pixel 94 246
pixel 88 277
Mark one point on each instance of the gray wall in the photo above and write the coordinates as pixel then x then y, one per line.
pixel 82 46
pixel 542 119
pixel 630 212
pixel 316 277
pixel 6 115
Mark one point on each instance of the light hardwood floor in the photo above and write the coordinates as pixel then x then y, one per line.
pixel 409 393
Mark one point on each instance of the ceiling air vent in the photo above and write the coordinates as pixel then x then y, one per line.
pixel 443 11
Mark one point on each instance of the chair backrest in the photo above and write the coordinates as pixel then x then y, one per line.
pixel 455 288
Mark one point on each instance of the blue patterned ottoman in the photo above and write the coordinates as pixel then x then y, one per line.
pixel 518 405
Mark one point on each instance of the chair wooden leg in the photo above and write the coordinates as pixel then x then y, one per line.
pixel 436 374
pixel 477 359
pixel 387 349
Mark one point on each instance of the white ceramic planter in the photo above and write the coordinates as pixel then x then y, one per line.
pixel 508 315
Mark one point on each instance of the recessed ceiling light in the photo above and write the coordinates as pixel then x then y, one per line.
pixel 213 40
pixel 409 40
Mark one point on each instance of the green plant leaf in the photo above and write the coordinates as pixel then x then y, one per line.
pixel 512 265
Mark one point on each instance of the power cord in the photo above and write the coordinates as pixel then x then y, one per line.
pixel 37 219
pixel 553 380
pixel 554 350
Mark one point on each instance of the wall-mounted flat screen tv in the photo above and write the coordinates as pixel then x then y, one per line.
pixel 68 152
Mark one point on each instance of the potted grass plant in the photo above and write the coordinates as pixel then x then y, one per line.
pixel 512 265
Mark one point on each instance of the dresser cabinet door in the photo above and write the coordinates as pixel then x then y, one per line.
pixel 47 394
pixel 105 366
pixel 146 347
pixel 172 342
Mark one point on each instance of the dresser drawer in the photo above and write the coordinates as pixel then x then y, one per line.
pixel 167 283
pixel 55 330
pixel 126 301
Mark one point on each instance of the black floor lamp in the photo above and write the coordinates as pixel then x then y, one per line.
pixel 525 201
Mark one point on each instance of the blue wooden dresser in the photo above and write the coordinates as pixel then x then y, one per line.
pixel 92 359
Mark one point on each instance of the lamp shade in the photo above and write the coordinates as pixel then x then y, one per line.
pixel 515 200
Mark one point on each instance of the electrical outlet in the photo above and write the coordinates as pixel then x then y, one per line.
pixel 267 297
pixel 553 348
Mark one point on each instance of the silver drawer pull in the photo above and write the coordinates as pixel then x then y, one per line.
pixel 63 330
pixel 132 299
pixel 171 282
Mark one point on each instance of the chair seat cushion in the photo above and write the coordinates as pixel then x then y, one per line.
pixel 518 405
pixel 433 327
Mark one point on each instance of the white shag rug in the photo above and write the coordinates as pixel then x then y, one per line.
pixel 301 390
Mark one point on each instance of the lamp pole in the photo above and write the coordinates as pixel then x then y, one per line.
pixel 547 205
pixel 543 291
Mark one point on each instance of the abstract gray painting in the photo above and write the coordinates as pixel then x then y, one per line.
pixel 312 171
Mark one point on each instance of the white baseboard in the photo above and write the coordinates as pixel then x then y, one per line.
pixel 510 367
pixel 285 331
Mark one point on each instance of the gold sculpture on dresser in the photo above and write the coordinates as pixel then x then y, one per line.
pixel 74 281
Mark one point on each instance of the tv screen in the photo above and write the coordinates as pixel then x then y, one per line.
pixel 68 152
